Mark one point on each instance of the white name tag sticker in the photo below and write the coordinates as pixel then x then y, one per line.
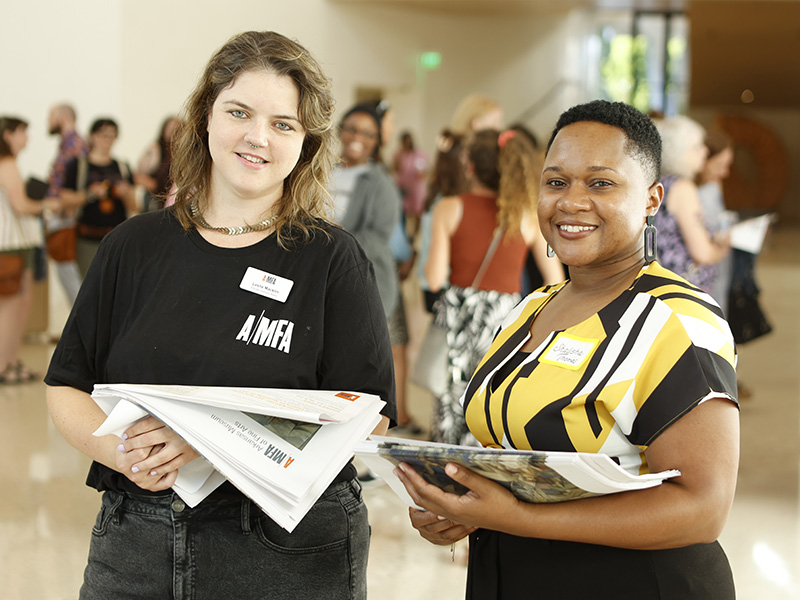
pixel 266 284
pixel 568 351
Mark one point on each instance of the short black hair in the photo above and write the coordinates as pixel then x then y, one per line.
pixel 98 124
pixel 368 108
pixel 644 141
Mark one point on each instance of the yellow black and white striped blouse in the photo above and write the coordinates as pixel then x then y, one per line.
pixel 610 384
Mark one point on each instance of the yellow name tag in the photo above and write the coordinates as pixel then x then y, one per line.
pixel 568 351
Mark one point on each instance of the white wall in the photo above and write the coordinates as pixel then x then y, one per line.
pixel 54 51
pixel 137 61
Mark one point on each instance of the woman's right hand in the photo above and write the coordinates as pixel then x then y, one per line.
pixel 438 530
pixel 151 454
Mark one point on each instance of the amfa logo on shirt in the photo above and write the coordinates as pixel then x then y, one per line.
pixel 274 333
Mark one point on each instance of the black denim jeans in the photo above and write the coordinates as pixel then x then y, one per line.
pixel 157 547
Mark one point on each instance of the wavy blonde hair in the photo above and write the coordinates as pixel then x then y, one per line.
pixel 513 171
pixel 469 109
pixel 305 199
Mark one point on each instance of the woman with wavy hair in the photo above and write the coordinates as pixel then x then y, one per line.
pixel 479 239
pixel 174 297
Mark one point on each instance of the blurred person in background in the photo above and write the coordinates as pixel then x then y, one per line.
pixel 61 122
pixel 447 179
pixel 410 173
pixel 20 234
pixel 686 244
pixel 718 220
pixel 101 188
pixel 366 201
pixel 152 171
pixel 493 226
pixel 448 176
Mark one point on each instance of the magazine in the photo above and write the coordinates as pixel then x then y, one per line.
pixel 532 476
pixel 282 448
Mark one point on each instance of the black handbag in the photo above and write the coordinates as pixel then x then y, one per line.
pixel 745 316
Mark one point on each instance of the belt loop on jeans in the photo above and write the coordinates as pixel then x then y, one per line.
pixel 114 508
pixel 246 529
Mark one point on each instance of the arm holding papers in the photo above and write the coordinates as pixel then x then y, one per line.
pixel 77 416
pixel 282 465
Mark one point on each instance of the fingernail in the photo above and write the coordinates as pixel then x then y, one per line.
pixel 121 448
pixel 134 469
pixel 124 436
pixel 154 472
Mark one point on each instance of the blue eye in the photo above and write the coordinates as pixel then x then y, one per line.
pixel 239 114
pixel 283 126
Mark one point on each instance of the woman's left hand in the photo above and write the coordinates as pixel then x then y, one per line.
pixel 152 453
pixel 438 530
pixel 487 504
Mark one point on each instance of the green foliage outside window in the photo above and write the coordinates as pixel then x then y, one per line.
pixel 623 70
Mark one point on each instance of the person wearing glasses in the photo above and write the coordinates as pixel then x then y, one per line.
pixel 366 201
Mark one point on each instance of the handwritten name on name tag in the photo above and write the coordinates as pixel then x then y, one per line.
pixel 266 284
pixel 568 351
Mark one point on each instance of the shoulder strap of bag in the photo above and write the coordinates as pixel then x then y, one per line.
pixel 83 170
pixel 498 234
pixel 123 169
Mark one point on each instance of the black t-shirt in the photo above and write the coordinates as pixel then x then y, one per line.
pixel 160 305
pixel 104 212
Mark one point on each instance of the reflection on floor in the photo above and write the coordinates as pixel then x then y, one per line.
pixel 46 512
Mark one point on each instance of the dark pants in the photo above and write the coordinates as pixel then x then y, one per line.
pixel 507 567
pixel 158 548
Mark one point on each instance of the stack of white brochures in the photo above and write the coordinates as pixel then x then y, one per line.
pixel 282 448
pixel 531 476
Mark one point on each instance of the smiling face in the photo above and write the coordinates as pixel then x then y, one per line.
pixel 254 137
pixel 594 197
pixel 359 135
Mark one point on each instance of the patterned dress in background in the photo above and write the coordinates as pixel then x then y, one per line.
pixel 471 318
pixel 672 251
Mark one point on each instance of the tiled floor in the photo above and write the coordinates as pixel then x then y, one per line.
pixel 46 512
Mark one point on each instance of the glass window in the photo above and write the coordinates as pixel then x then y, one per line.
pixel 643 60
